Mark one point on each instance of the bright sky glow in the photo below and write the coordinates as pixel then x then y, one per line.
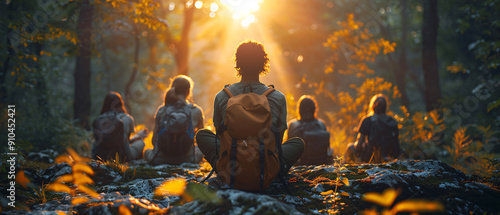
pixel 243 10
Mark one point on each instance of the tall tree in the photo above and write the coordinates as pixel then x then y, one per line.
pixel 81 104
pixel 402 60
pixel 180 47
pixel 429 56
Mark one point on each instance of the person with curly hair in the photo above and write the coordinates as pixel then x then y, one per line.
pixel 251 61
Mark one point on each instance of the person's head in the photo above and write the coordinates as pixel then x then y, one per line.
pixel 306 107
pixel 251 58
pixel 378 105
pixel 180 89
pixel 113 102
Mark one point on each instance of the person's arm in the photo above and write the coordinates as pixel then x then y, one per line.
pixel 363 131
pixel 200 118
pixel 155 130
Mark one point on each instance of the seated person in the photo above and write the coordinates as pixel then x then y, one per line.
pixel 112 131
pixel 176 122
pixel 313 131
pixel 378 135
pixel 247 154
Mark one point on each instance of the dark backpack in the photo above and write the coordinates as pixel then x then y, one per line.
pixel 317 144
pixel 109 137
pixel 383 138
pixel 176 133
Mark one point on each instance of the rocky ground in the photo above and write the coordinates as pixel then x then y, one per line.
pixel 312 190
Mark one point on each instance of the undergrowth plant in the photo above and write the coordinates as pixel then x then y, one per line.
pixel 77 180
pixel 332 196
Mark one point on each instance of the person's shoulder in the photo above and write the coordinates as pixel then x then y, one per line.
pixel 293 122
pixel 196 108
pixel 278 95
pixel 321 121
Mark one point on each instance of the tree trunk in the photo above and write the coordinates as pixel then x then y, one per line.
pixel 429 57
pixel 402 62
pixel 131 80
pixel 182 56
pixel 81 104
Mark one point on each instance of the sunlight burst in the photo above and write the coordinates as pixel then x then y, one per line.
pixel 243 9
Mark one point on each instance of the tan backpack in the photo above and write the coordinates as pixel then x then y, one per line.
pixel 247 158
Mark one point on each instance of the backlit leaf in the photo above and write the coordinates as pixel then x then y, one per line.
pixel 89 191
pixel 171 187
pixel 64 159
pixel 326 192
pixel 385 200
pixel 76 157
pixel 417 206
pixel 344 194
pixel 65 178
pixel 81 178
pixel 346 181
pixel 123 210
pixel 58 187
pixel 79 200
pixel 201 192
pixel 22 180
pixel 81 167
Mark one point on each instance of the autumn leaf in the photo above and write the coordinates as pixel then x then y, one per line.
pixel 76 157
pixel 344 194
pixel 64 159
pixel 81 167
pixel 123 210
pixel 22 180
pixel 79 200
pixel 89 191
pixel 345 180
pixel 171 187
pixel 385 200
pixel 417 206
pixel 326 193
pixel 64 178
pixel 81 178
pixel 59 187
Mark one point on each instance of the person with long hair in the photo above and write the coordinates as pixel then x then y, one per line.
pixel 111 139
pixel 179 93
pixel 377 134
pixel 313 131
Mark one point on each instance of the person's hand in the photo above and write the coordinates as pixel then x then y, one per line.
pixel 143 133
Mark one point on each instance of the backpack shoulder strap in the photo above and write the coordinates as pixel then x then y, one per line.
pixel 269 91
pixel 227 91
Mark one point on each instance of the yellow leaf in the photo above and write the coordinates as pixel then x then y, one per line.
pixel 417 206
pixel 64 178
pixel 81 167
pixel 385 200
pixel 81 178
pixel 326 193
pixel 58 187
pixel 64 159
pixel 89 191
pixel 346 181
pixel 344 194
pixel 123 210
pixel 61 213
pixel 21 179
pixel 76 157
pixel 79 200
pixel 171 187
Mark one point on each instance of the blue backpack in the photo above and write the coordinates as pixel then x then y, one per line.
pixel 176 132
